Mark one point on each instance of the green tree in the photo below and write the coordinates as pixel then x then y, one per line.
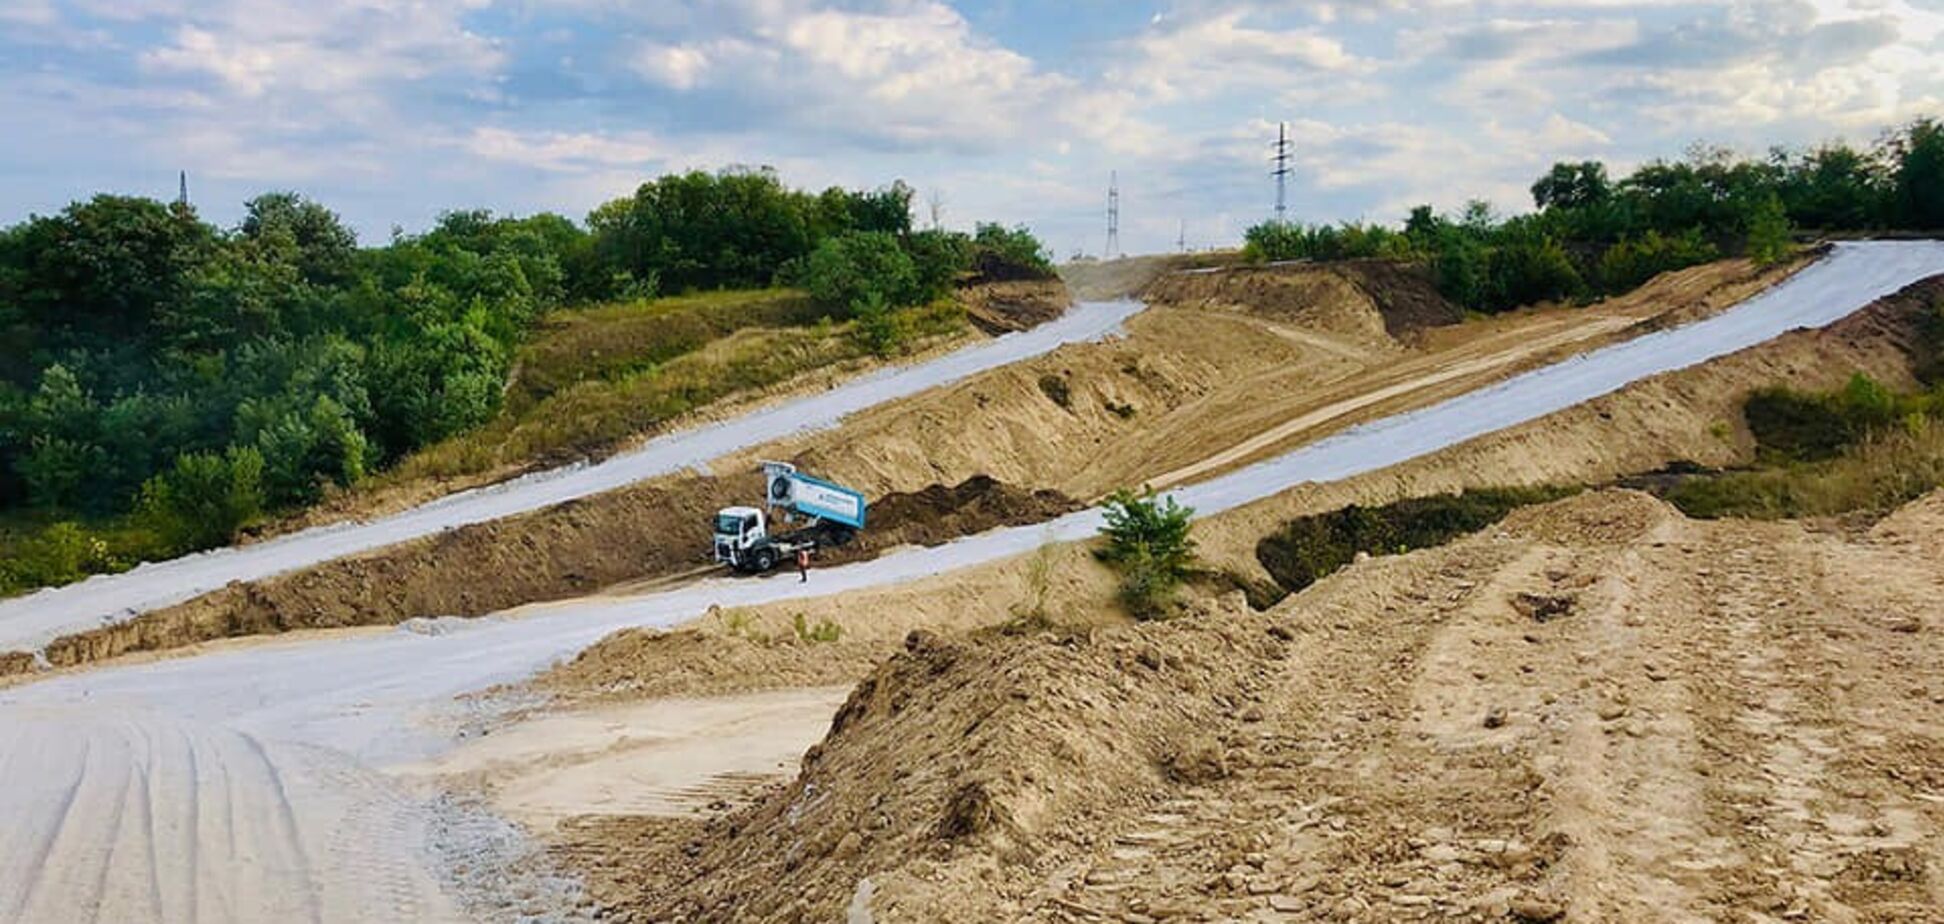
pixel 1148 542
pixel 1918 152
pixel 1572 186
pixel 1769 232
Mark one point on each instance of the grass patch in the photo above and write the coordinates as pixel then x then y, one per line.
pixel 590 414
pixel 1874 476
pixel 1307 549
pixel 615 341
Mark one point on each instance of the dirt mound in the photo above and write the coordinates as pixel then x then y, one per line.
pixel 1365 299
pixel 1406 294
pixel 1127 277
pixel 1617 516
pixel 939 514
pixel 1600 724
pixel 1003 307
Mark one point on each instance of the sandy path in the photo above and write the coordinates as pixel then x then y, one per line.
pixel 664 758
pixel 133 816
pixel 27 623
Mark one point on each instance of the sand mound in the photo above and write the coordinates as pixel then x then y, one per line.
pixel 1580 719
pixel 1365 300
pixel 939 514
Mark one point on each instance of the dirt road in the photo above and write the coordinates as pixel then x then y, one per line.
pixel 328 718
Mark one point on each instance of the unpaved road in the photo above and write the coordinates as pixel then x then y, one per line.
pixel 30 622
pixel 110 769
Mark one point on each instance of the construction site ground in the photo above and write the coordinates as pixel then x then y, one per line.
pixel 1598 710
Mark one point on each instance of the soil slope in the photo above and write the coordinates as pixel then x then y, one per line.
pixel 1598 711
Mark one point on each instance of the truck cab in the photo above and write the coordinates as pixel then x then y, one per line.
pixel 741 535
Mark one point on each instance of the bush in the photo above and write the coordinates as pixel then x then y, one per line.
pixel 1632 262
pixel 1148 543
pixel 848 271
pixel 938 258
pixel 205 499
pixel 1310 548
pixel 1876 475
pixel 1056 389
pixel 1794 426
pixel 876 326
pixel 999 254
pixel 1275 241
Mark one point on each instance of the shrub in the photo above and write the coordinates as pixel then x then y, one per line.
pixel 1795 426
pixel 876 327
pixel 1056 389
pixel 824 632
pixel 1876 475
pixel 1310 548
pixel 1630 263
pixel 1000 253
pixel 204 499
pixel 845 272
pixel 1148 543
pixel 938 258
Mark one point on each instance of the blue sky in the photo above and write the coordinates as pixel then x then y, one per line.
pixel 391 111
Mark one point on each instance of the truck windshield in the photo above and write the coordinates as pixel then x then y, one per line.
pixel 727 525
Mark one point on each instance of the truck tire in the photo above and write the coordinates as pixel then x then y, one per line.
pixel 763 559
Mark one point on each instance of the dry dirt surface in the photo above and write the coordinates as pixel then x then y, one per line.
pixel 1597 711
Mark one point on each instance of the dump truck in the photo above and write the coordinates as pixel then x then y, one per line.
pixel 819 514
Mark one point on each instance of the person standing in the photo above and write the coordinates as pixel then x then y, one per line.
pixel 803 566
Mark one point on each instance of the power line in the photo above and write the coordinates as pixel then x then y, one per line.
pixel 1282 172
pixel 1113 217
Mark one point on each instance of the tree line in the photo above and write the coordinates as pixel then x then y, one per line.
pixel 1591 235
pixel 172 382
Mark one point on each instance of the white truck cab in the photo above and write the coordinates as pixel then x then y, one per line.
pixel 737 531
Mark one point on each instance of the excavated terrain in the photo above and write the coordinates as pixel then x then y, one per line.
pixel 1598 710
pixel 1187 393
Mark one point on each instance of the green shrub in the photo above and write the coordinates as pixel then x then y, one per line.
pixel 876 326
pixel 1875 475
pixel 824 632
pixel 1056 389
pixel 1627 265
pixel 1001 253
pixel 1307 549
pixel 1790 425
pixel 1148 543
pixel 845 272
pixel 205 499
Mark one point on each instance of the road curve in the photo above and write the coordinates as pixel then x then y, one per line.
pixel 29 623
pixel 107 771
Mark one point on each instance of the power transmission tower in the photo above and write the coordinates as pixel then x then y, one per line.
pixel 937 209
pixel 1282 172
pixel 182 188
pixel 1181 240
pixel 1113 217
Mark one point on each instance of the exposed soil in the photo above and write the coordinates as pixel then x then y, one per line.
pixel 1002 307
pixel 1361 299
pixel 1721 720
pixel 650 531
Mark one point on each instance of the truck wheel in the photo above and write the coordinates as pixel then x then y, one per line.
pixel 765 559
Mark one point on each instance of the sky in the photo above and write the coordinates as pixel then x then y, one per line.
pixel 392 111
